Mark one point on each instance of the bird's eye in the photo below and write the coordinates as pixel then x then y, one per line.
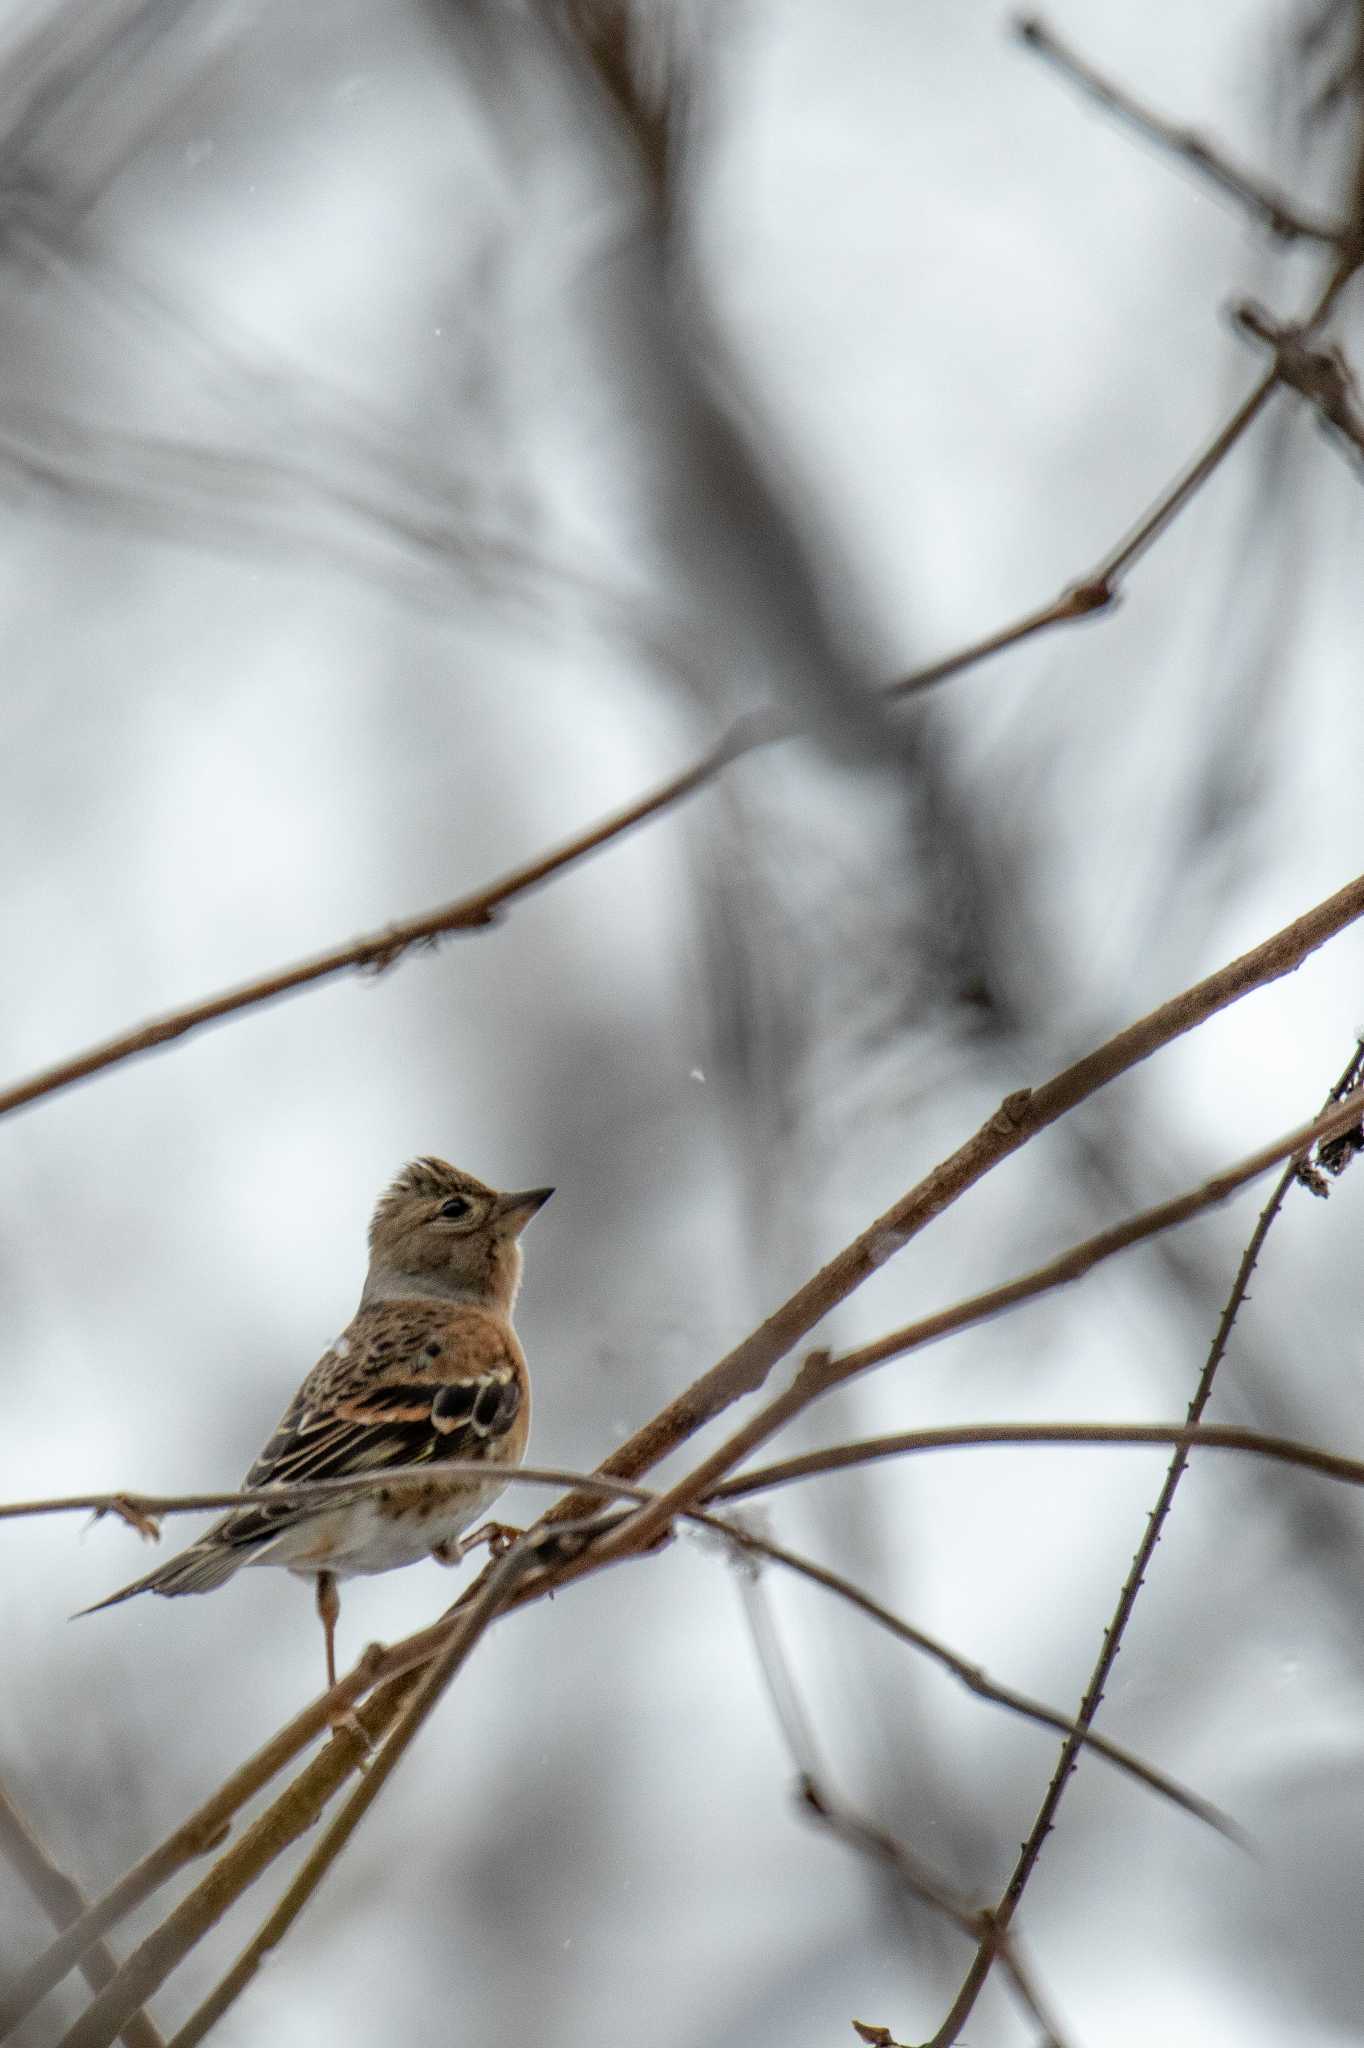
pixel 456 1206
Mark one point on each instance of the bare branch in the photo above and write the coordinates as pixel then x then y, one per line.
pixel 821 1370
pixel 472 1622
pixel 379 951
pixel 61 1899
pixel 397 1668
pixel 815 1801
pixel 1320 375
pixel 1111 1641
pixel 140 1507
pixel 1020 1117
pixel 1266 205
pixel 747 1367
pixel 866 1837
pixel 971 1675
pixel 967 1436
pixel 382 1664
pixel 1074 1264
pixel 204 1830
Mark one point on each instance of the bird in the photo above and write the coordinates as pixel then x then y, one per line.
pixel 429 1367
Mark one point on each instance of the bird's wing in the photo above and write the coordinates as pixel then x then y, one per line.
pixel 405 1384
pixel 408 1382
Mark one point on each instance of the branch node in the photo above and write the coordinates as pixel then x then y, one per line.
pixel 1320 375
pixel 809 1795
pixel 1094 595
pixel 203 1841
pixel 1012 1115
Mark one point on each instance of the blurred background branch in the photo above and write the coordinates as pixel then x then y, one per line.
pixel 423 430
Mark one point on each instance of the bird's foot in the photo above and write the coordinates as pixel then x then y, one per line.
pixel 130 1511
pixel 499 1537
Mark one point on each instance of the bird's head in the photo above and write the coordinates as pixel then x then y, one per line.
pixel 437 1231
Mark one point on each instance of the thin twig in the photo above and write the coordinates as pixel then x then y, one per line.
pixel 472 1622
pixel 833 1458
pixel 150 1506
pixel 971 1675
pixel 822 1371
pixel 1079 600
pixel 1320 375
pixel 1112 1639
pixel 378 951
pixel 1346 239
pixel 747 1367
pixel 1021 1116
pixel 399 1665
pixel 1261 200
pixel 865 1837
pixel 379 1665
pixel 967 1436
pixel 816 1375
pixel 812 1794
pixel 1213 1436
pixel 62 1900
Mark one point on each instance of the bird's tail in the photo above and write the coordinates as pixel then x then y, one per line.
pixel 199 1569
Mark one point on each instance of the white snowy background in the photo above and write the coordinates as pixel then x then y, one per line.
pixel 352 555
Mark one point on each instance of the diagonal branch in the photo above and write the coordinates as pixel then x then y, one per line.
pixel 1112 1639
pixel 431 1685
pixel 794 1722
pixel 378 951
pixel 1020 1117
pixel 1272 208
pixel 747 1367
pixel 971 1675
pixel 61 1899
pixel 865 1837
pixel 822 1371
pixel 398 1668
pixel 1320 375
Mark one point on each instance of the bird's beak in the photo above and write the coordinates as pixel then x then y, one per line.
pixel 517 1209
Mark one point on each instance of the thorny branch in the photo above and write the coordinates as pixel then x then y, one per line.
pixel 1292 355
pixel 1112 1639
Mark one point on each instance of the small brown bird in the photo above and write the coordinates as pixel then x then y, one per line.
pixel 429 1367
